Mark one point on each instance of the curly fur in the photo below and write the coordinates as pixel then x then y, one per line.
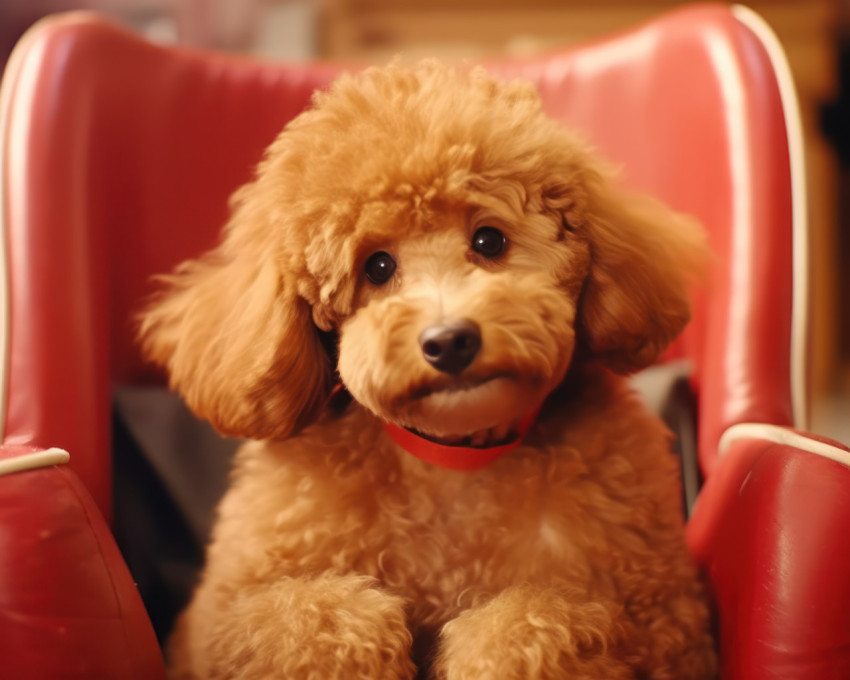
pixel 338 555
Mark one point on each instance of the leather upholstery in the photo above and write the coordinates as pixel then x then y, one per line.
pixel 117 158
pixel 68 605
pixel 151 141
pixel 768 529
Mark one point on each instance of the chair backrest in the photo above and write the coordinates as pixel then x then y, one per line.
pixel 118 158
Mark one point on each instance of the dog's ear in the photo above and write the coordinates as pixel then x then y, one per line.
pixel 235 338
pixel 643 257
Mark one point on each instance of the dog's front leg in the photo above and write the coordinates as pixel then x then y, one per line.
pixel 331 627
pixel 533 633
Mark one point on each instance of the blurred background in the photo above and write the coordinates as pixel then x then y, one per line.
pixel 815 34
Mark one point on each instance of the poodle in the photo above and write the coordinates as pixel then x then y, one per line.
pixel 421 315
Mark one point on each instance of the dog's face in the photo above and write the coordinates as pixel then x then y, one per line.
pixel 458 244
pixel 463 320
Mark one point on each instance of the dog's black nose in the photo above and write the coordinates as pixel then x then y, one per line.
pixel 451 347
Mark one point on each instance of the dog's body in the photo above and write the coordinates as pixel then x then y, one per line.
pixel 408 200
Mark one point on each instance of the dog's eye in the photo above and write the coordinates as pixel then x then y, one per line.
pixel 379 267
pixel 489 242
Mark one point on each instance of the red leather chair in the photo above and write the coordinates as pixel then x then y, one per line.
pixel 116 159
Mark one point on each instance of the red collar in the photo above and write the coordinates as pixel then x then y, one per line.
pixel 464 458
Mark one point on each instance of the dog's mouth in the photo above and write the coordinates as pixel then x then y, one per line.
pixel 498 435
pixel 454 385
pixel 478 411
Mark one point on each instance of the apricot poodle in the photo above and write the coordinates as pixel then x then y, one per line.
pixel 425 262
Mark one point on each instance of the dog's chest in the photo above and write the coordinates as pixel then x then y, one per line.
pixel 446 540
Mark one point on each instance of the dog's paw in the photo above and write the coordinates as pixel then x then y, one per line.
pixel 333 628
pixel 530 634
pixel 349 630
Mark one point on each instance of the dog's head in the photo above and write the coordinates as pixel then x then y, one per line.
pixel 460 245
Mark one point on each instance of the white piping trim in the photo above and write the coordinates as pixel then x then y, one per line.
pixel 799 210
pixel 33 461
pixel 781 435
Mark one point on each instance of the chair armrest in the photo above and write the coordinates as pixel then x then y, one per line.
pixel 769 530
pixel 68 605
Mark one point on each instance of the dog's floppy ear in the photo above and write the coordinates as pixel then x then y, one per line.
pixel 236 340
pixel 642 258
